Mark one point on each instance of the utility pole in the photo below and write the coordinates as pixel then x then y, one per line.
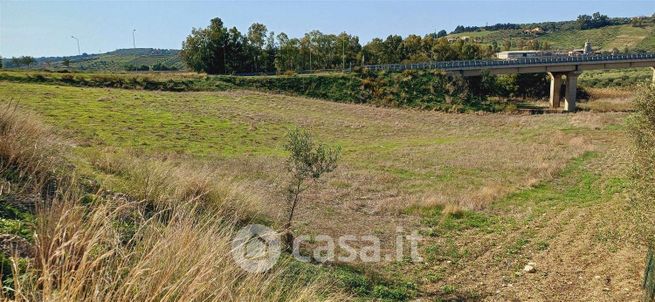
pixel 78 45
pixel 133 39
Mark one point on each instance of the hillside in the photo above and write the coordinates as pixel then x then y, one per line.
pixel 640 38
pixel 117 60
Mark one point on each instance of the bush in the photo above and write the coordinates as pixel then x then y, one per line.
pixel 425 89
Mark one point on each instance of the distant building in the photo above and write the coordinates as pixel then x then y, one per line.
pixel 534 31
pixel 455 39
pixel 517 54
pixel 587 50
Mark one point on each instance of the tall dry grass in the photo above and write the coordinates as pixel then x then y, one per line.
pixel 642 128
pixel 164 183
pixel 82 256
pixel 29 152
pixel 112 247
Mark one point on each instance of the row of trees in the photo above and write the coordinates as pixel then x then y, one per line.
pixel 19 61
pixel 219 50
pixel 596 20
pixel 498 26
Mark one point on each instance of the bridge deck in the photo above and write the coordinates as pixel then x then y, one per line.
pixel 530 65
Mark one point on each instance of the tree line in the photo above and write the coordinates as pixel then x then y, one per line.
pixel 219 50
pixel 583 22
pixel 18 61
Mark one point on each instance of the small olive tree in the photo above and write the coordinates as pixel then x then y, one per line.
pixel 307 162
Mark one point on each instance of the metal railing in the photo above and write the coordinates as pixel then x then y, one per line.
pixel 474 64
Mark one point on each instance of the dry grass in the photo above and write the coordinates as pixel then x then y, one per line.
pixel 83 256
pixel 609 93
pixel 165 183
pixel 28 149
pixel 609 100
pixel 113 247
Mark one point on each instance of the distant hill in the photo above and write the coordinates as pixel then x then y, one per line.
pixel 635 34
pixel 117 60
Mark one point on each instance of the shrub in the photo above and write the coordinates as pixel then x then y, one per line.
pixel 307 162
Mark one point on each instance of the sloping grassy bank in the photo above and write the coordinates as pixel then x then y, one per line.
pixel 427 89
pixel 423 89
pixel 147 81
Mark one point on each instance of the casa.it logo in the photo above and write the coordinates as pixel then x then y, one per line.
pixel 256 248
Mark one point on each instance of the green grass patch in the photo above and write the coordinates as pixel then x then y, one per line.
pixel 363 284
pixel 15 221
pixel 461 220
pixel 575 185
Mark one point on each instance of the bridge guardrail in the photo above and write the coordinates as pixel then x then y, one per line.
pixel 454 65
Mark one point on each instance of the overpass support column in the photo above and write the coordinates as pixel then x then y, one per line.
pixel 555 88
pixel 571 90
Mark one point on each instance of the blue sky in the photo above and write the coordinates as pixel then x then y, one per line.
pixel 44 28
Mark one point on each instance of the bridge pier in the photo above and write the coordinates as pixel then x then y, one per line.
pixel 555 89
pixel 571 91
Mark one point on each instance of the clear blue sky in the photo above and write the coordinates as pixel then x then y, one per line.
pixel 43 28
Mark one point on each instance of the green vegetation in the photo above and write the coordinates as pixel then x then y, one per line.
pixel 425 89
pixel 154 81
pixel 219 50
pixel 373 287
pixel 643 130
pixel 616 78
pixel 117 60
pixel 606 34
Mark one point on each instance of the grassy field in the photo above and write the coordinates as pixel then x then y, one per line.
pixel 488 192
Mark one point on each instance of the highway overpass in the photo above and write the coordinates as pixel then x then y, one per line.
pixel 563 70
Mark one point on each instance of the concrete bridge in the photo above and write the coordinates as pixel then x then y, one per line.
pixel 562 70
